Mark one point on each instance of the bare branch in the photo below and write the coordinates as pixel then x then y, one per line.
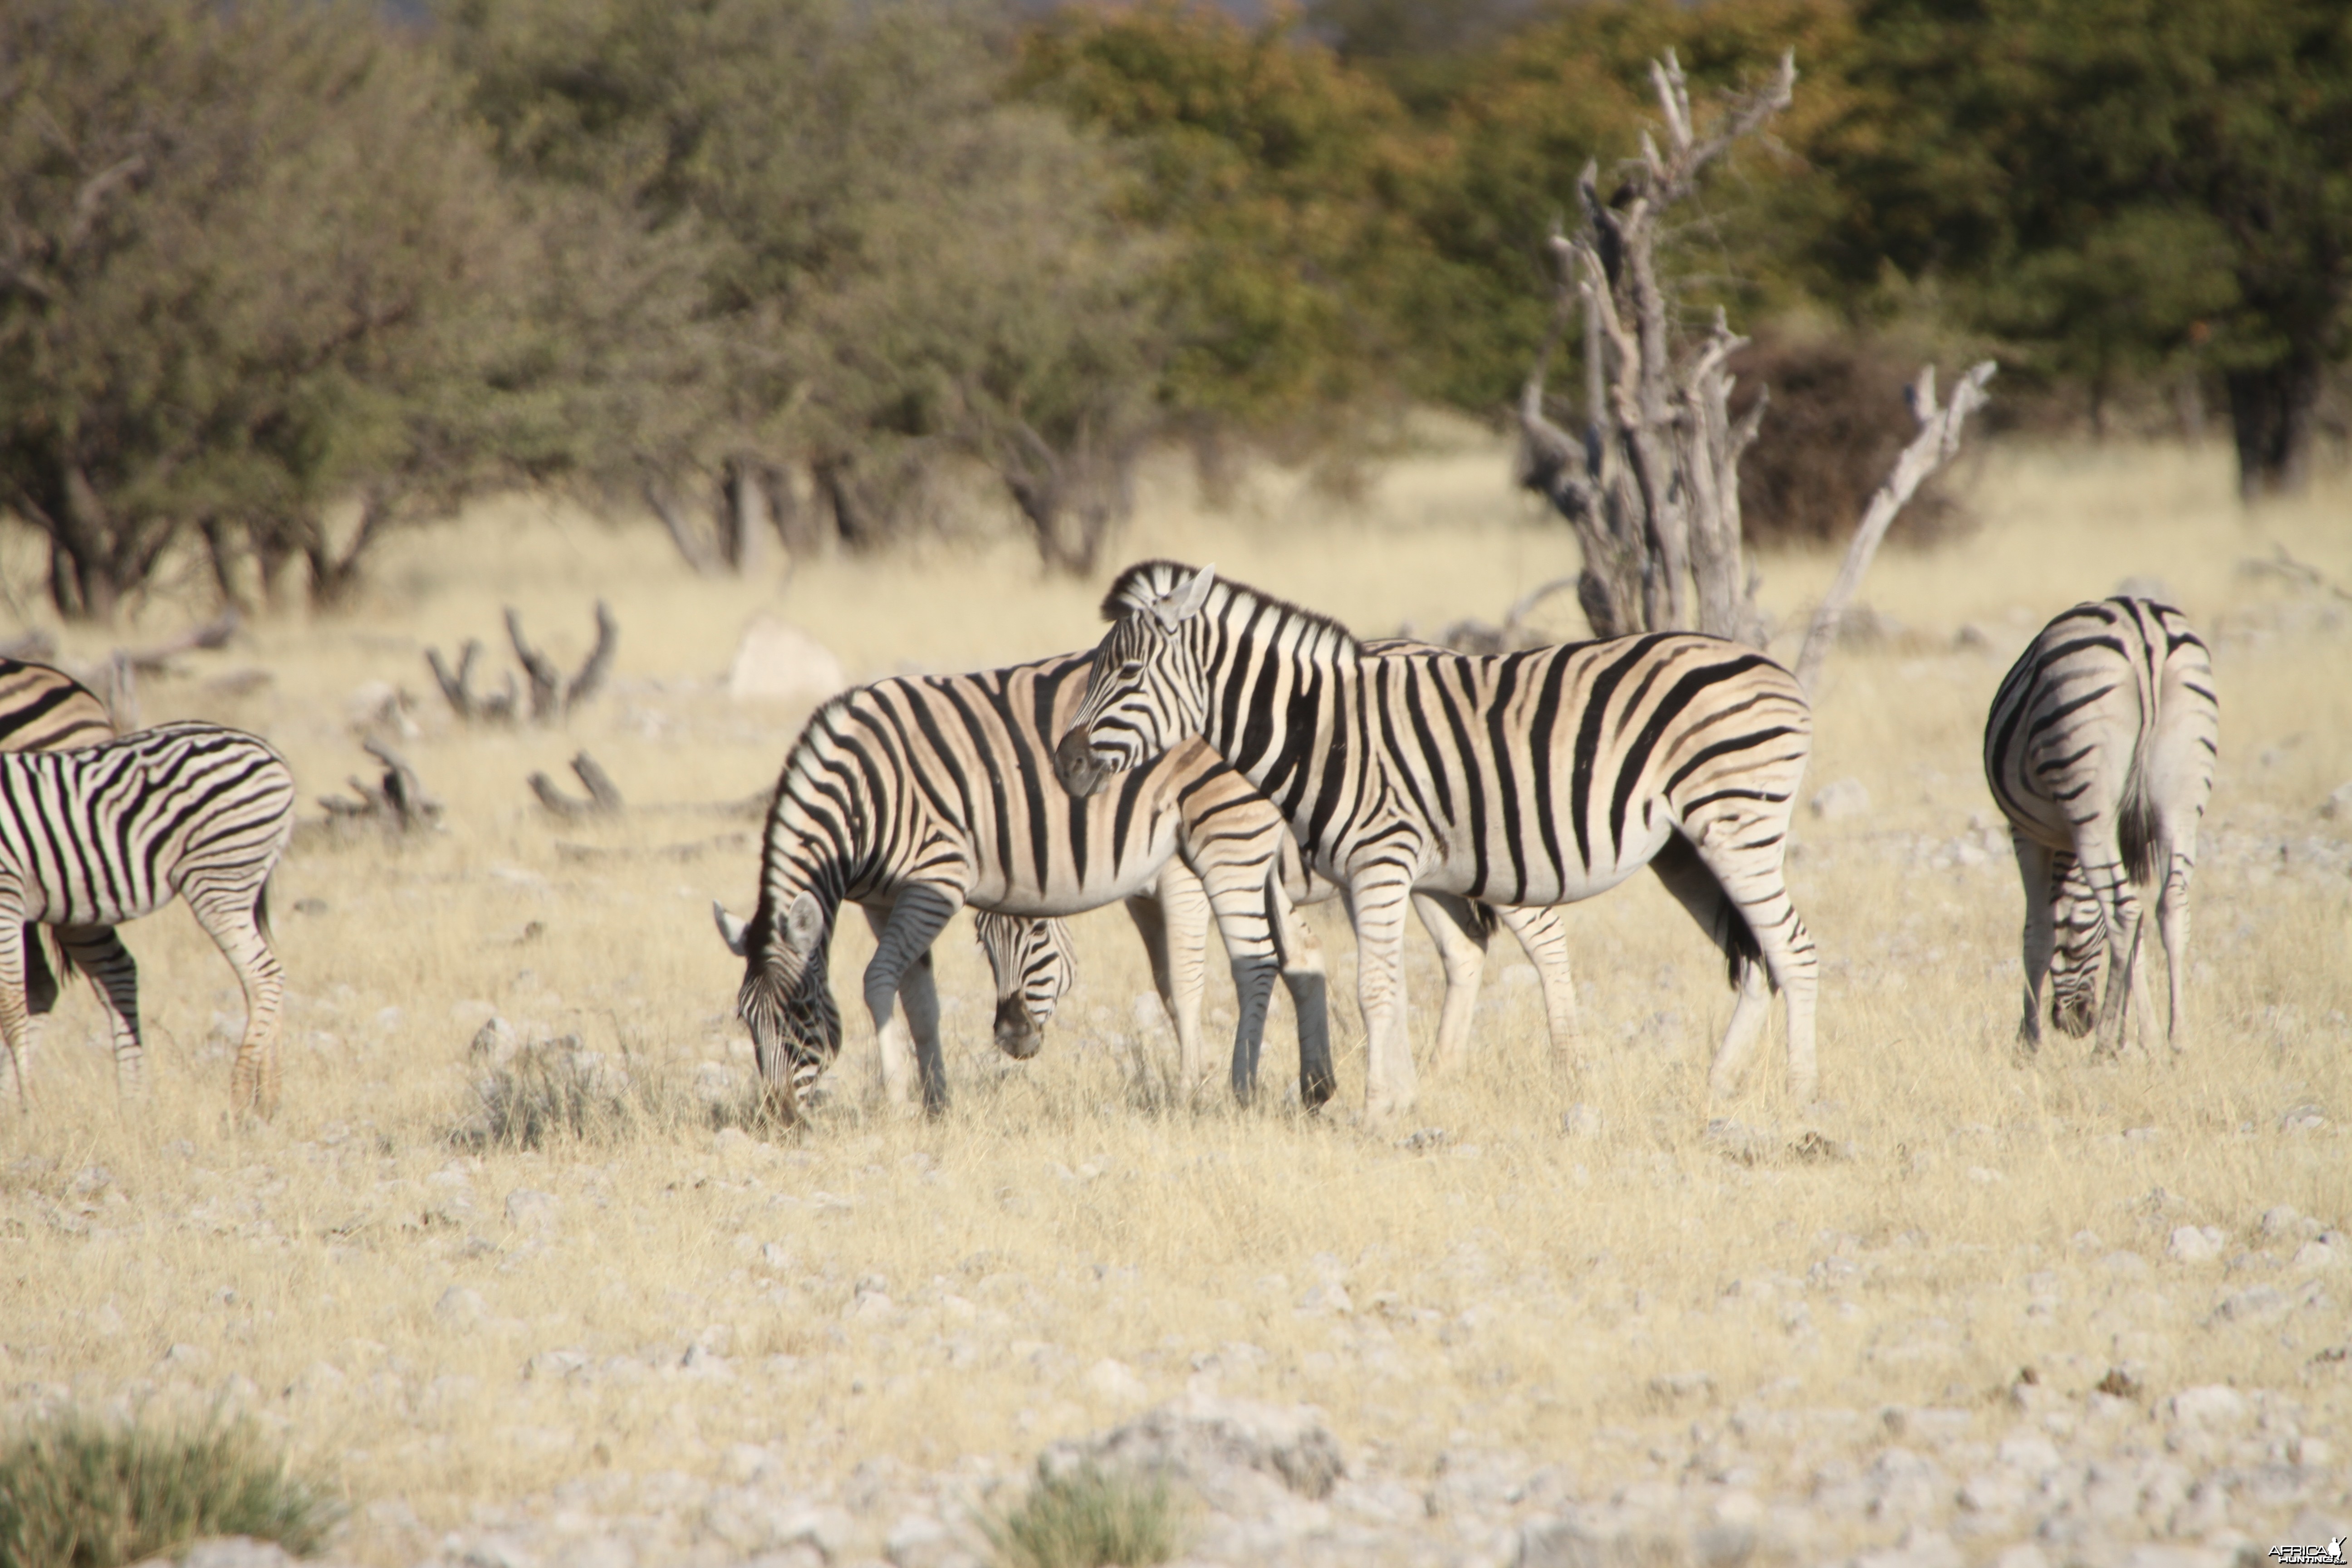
pixel 601 787
pixel 546 681
pixel 1930 449
pixel 599 664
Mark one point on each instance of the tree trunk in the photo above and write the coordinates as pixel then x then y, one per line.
pixel 746 521
pixel 2272 411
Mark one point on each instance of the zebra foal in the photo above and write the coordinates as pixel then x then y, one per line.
pixel 91 837
pixel 1525 779
pixel 2100 749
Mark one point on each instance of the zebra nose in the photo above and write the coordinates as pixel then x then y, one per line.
pixel 1075 764
pixel 1016 1036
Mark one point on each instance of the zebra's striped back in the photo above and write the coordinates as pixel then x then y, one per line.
pixel 112 832
pixel 2099 748
pixel 46 709
pixel 1532 778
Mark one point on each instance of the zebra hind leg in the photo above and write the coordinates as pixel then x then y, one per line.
pixel 97 951
pixel 1460 930
pixel 2036 864
pixel 15 1021
pixel 234 926
pixel 1544 940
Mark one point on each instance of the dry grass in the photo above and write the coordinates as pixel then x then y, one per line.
pixel 356 1277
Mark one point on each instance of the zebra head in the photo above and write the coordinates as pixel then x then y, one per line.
pixel 1146 692
pixel 785 1001
pixel 1033 965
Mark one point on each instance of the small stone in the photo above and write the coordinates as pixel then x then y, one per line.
pixel 1327 1300
pixel 460 1308
pixel 528 1209
pixel 775 662
pixel 2208 1404
pixel 2195 1244
pixel 1840 799
pixel 2313 1256
pixel 1580 1120
pixel 2338 803
pixel 1115 1381
pixel 2262 1304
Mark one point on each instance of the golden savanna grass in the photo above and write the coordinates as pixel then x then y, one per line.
pixel 1515 1284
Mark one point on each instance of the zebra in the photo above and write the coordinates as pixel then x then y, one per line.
pixel 2100 748
pixel 1531 778
pixel 89 838
pixel 916 795
pixel 46 709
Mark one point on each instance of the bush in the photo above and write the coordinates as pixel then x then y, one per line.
pixel 76 1492
pixel 1835 423
pixel 551 1090
pixel 1089 1518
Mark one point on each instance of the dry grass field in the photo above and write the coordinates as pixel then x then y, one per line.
pixel 1591 1315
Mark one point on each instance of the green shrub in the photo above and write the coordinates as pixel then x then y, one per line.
pixel 1089 1518
pixel 79 1492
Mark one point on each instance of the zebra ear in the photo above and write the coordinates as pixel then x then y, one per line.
pixel 1185 603
pixel 730 929
pixel 803 924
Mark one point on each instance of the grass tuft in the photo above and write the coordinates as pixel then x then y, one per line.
pixel 1089 1518
pixel 554 1091
pixel 79 1492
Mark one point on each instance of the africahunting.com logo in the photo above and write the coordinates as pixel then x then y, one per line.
pixel 2331 1553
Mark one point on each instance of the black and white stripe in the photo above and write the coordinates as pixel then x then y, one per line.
pixel 1033 964
pixel 89 838
pixel 2100 749
pixel 915 796
pixel 46 709
pixel 1527 779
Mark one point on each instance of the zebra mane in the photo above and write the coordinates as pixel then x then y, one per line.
pixel 1138 587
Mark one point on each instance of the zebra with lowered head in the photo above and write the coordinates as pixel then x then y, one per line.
pixel 91 837
pixel 2100 749
pixel 1523 779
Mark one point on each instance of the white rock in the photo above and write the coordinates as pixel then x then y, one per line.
pixel 2208 1404
pixel 2195 1244
pixel 1839 799
pixel 1220 1446
pixel 238 1552
pixel 2315 1254
pixel 1580 1120
pixel 528 1209
pixel 1325 1300
pixel 460 1308
pixel 918 1541
pixel 775 662
pixel 1116 1382
pixel 2338 802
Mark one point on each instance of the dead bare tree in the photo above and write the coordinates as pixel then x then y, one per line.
pixel 1931 448
pixel 1652 488
pixel 551 696
pixel 397 801
pixel 603 795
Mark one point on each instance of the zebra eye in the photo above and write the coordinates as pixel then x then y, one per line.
pixel 1131 671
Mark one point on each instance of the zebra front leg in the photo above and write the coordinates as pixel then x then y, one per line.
pixel 1460 930
pixel 903 945
pixel 97 951
pixel 2036 868
pixel 234 922
pixel 15 1022
pixel 1544 937
pixel 1377 899
pixel 1301 956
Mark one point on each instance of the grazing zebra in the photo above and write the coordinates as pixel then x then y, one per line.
pixel 914 796
pixel 92 837
pixel 1033 964
pixel 2100 749
pixel 46 709
pixel 1532 778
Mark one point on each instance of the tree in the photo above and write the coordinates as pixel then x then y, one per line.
pixel 222 305
pixel 2120 187
pixel 892 265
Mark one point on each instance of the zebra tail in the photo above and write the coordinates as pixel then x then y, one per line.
pixel 261 910
pixel 2136 826
pixel 1738 940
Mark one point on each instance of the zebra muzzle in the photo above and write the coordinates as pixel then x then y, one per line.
pixel 1016 1035
pixel 1076 764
